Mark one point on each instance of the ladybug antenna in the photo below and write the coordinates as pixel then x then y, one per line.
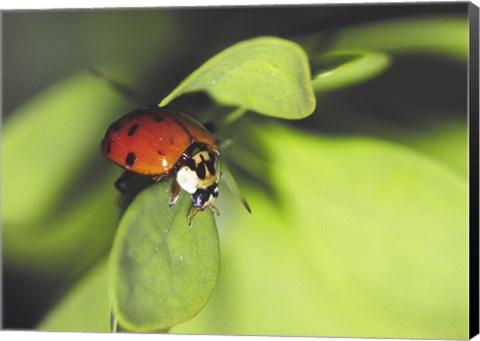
pixel 229 180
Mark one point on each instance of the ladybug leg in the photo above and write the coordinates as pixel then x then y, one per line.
pixel 174 193
pixel 194 210
pixel 158 178
pixel 191 213
pixel 120 183
pixel 214 210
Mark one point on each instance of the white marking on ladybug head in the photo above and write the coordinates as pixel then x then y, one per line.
pixel 188 179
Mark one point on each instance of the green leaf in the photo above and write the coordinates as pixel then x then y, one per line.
pixel 52 204
pixel 363 238
pixel 58 246
pixel 48 141
pixel 162 271
pixel 445 141
pixel 268 75
pixel 85 307
pixel 440 35
pixel 348 67
pixel 379 227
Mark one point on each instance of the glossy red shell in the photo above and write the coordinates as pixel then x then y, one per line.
pixel 151 141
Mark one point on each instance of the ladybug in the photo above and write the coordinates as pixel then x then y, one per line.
pixel 162 142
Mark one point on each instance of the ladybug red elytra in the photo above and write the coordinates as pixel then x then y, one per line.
pixel 161 142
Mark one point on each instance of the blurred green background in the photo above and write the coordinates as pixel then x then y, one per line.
pixel 359 224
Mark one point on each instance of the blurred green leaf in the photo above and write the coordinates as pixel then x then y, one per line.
pixel 85 307
pixel 439 35
pixel 47 143
pixel 364 238
pixel 162 271
pixel 379 227
pixel 58 209
pixel 69 243
pixel 447 142
pixel 348 67
pixel 268 75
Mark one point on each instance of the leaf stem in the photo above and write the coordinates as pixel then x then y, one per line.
pixel 233 116
pixel 113 322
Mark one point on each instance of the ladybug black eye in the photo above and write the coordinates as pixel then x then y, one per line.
pixel 214 191
pixel 202 196
pixel 199 198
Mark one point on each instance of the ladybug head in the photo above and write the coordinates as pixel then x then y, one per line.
pixel 198 173
pixel 203 198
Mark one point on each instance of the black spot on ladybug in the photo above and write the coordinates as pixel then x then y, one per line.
pixel 158 118
pixel 108 148
pixel 130 160
pixel 170 140
pixel 160 153
pixel 132 129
